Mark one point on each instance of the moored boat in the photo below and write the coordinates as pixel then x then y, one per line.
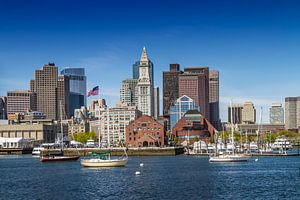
pixel 58 158
pixel 36 152
pixel 104 160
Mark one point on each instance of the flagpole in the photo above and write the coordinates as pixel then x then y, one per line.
pixel 99 134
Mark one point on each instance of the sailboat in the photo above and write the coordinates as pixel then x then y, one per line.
pixel 104 159
pixel 62 157
pixel 229 157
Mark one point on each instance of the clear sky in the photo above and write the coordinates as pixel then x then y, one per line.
pixel 255 44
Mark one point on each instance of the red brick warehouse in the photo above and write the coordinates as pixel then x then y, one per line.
pixel 145 131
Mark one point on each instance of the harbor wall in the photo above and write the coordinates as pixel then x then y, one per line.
pixel 147 151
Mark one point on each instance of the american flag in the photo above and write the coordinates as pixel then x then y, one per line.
pixel 94 91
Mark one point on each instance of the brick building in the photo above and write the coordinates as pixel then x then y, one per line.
pixel 145 131
pixel 192 127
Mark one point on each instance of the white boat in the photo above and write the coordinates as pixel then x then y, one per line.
pixel 36 152
pixel 104 160
pixel 229 158
pixel 281 143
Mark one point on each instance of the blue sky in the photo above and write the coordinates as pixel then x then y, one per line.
pixel 255 44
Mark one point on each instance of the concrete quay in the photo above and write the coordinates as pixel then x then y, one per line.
pixel 142 151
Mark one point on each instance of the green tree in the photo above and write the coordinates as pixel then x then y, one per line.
pixel 84 137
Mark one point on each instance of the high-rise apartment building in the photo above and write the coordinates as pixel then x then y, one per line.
pixel 276 113
pixel 145 85
pixel 63 96
pixel 292 112
pixel 236 113
pixel 214 98
pixel 194 82
pixel 78 87
pixel 180 107
pixel 156 102
pixel 128 91
pixel 170 87
pixel 248 113
pixel 21 101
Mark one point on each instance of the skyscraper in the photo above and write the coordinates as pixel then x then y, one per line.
pixel 170 87
pixel 145 85
pixel 194 82
pixel 128 91
pixel 156 102
pixel 214 98
pixel 63 95
pixel 248 113
pixel 21 101
pixel 45 85
pixel 78 87
pixel 292 112
pixel 138 64
pixel 180 107
pixel 276 114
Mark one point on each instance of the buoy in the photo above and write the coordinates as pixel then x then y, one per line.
pixel 137 173
pixel 141 164
pixel 256 159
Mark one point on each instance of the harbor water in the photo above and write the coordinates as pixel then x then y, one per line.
pixel 161 177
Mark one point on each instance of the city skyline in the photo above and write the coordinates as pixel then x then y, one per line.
pixel 248 43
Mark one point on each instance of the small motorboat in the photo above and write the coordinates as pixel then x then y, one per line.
pixel 55 158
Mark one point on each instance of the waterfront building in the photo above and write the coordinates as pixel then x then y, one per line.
pixel 63 96
pixel 292 112
pixel 144 87
pixel 214 98
pixel 78 85
pixel 156 102
pixel 21 101
pixel 45 86
pixel 276 114
pixel 170 87
pixel 113 122
pixel 180 107
pixel 193 127
pixel 128 91
pixel 248 113
pixel 194 83
pixel 145 131
pixel 36 131
pixel 251 129
pixel 3 108
pixel 236 113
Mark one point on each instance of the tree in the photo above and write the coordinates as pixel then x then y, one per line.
pixel 84 137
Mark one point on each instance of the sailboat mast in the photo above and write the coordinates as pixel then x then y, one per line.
pixel 231 115
pixel 61 126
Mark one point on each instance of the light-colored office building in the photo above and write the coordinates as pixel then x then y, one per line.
pixel 276 113
pixel 292 112
pixel 248 113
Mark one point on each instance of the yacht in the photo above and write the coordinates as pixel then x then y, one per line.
pixel 281 143
pixel 36 152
